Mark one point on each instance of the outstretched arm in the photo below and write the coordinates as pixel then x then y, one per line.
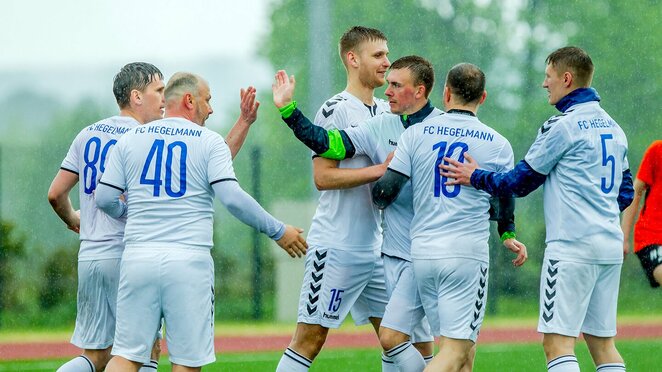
pixel 331 144
pixel 388 187
pixel 328 176
pixel 518 182
pixel 248 106
pixel 58 197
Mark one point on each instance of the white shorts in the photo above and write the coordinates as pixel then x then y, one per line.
pixel 97 301
pixel 453 292
pixel 578 297
pixel 404 311
pixel 176 284
pixel 336 281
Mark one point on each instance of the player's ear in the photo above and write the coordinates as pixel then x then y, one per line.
pixel 447 94
pixel 188 100
pixel 420 91
pixel 136 97
pixel 567 79
pixel 352 59
pixel 483 97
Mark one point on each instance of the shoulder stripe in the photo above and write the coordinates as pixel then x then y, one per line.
pixel 113 186
pixel 69 170
pixel 222 180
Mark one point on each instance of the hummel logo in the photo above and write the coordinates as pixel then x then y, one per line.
pixel 327 113
pixel 318 267
pixel 311 310
pixel 392 143
pixel 320 255
pixel 314 288
pixel 316 278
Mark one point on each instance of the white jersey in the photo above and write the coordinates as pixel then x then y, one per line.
pixel 100 235
pixel 583 153
pixel 347 219
pixel 167 167
pixel 449 221
pixel 377 138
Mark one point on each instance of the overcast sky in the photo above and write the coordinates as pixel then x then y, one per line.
pixel 37 33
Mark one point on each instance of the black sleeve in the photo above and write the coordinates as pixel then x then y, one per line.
pixel 502 210
pixel 387 188
pixel 315 137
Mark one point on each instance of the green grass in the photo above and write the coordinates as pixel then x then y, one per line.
pixel 640 355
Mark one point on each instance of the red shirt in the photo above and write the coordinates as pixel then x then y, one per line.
pixel 648 229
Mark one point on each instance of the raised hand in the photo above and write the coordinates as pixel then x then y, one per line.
pixel 293 242
pixel 248 105
pixel 283 88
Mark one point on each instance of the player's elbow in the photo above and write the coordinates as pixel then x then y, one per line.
pixel 54 197
pixel 322 183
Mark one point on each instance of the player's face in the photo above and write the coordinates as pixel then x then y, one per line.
pixel 203 105
pixel 373 63
pixel 401 91
pixel 153 100
pixel 555 85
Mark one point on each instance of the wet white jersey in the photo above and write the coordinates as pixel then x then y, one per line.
pixel 101 235
pixel 583 152
pixel 347 219
pixel 168 167
pixel 377 138
pixel 449 221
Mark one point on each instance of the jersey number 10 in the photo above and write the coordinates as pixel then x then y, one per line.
pixel 156 156
pixel 439 181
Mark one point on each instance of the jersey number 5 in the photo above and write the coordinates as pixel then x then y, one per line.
pixel 606 159
pixel 156 156
pixel 439 181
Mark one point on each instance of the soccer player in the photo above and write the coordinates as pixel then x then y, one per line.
pixel 580 157
pixel 647 204
pixel 450 227
pixel 410 81
pixel 343 268
pixel 138 89
pixel 171 169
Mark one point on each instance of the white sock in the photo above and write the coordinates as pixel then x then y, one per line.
pixel 406 357
pixel 150 366
pixel 565 363
pixel 428 359
pixel 291 361
pixel 610 367
pixel 78 364
pixel 388 364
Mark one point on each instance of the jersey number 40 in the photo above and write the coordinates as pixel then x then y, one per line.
pixel 156 156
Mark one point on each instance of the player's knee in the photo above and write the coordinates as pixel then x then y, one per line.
pixel 389 338
pixel 657 274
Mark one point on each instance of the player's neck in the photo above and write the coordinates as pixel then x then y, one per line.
pixel 457 107
pixel 131 114
pixel 364 93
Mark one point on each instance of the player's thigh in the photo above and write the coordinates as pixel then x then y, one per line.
pixel 333 280
pixel 650 258
pixel 371 303
pixel 565 291
pixel 188 306
pixel 600 318
pixel 453 292
pixel 138 303
pixel 97 301
pixel 404 311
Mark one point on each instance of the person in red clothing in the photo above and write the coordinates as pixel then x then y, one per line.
pixel 648 229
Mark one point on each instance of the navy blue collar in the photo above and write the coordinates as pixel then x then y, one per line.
pixel 418 116
pixel 579 95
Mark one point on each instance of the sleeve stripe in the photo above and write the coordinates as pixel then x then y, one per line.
pixel 222 180
pixel 113 186
pixel 69 170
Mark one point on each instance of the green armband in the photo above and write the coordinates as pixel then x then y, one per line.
pixel 336 149
pixel 508 235
pixel 286 111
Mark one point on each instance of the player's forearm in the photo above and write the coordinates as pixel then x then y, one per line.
pixel 506 218
pixel 333 144
pixel 108 200
pixel 518 182
pixel 345 178
pixel 63 208
pixel 630 213
pixel 625 191
pixel 243 207
pixel 237 136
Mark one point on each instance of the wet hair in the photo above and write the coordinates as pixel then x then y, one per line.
pixel 576 61
pixel 136 75
pixel 421 69
pixel 355 36
pixel 466 81
pixel 181 83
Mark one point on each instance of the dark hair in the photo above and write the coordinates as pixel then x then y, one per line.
pixel 575 60
pixel 466 81
pixel 136 75
pixel 421 71
pixel 356 35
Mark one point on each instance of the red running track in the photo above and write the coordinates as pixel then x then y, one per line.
pixel 336 340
